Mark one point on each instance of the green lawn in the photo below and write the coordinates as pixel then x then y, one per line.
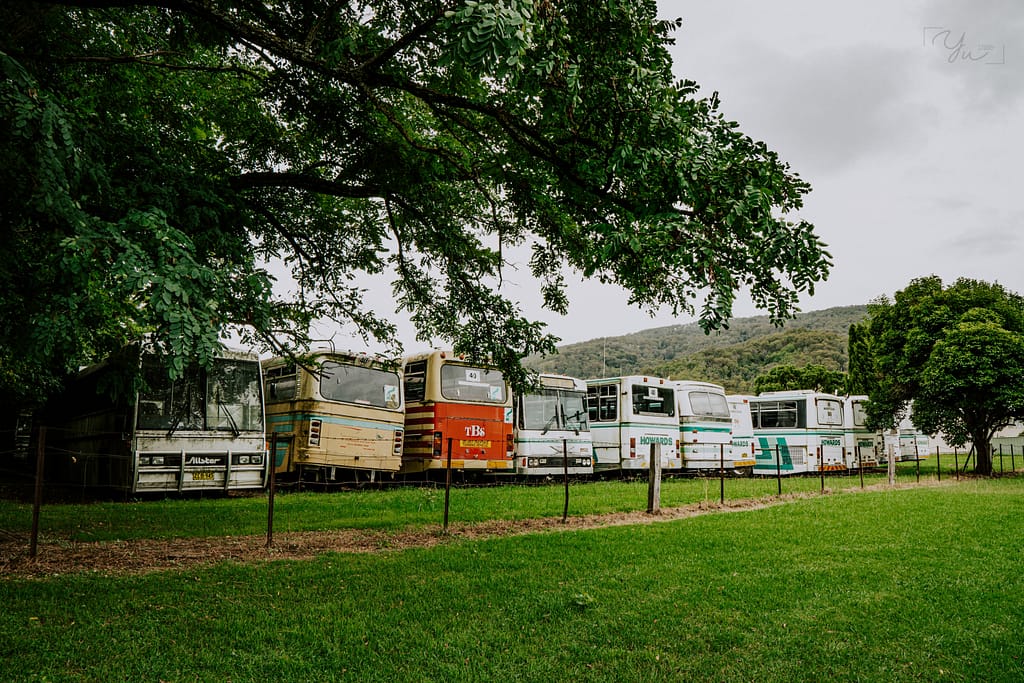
pixel 919 583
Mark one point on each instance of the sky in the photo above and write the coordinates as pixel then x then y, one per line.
pixel 907 120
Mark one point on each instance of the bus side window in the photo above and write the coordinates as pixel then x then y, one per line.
pixel 416 381
pixel 602 403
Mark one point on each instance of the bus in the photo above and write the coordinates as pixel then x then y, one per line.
pixel 862 444
pixel 550 425
pixel 742 445
pixel 705 426
pixel 914 444
pixel 629 415
pixel 797 432
pixel 452 403
pixel 335 416
pixel 202 431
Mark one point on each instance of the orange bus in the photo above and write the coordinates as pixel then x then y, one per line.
pixel 451 400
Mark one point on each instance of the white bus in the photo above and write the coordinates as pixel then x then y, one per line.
pixel 705 426
pixel 202 431
pixel 797 432
pixel 862 444
pixel 742 445
pixel 550 425
pixel 627 416
pixel 914 444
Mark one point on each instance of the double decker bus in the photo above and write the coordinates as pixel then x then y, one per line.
pixel 797 432
pixel 201 431
pixel 450 400
pixel 705 426
pixel 628 415
pixel 335 415
pixel 551 426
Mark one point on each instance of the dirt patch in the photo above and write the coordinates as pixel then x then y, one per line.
pixel 56 556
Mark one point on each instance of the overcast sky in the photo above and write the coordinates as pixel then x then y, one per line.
pixel 906 119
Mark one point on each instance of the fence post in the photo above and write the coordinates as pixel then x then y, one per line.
pixel 1000 459
pixel 778 467
pixel 721 472
pixel 37 499
pixel 956 463
pixel 447 483
pixel 1013 463
pixel 654 481
pixel 919 468
pixel 272 464
pixel 821 469
pixel 860 464
pixel 938 463
pixel 565 478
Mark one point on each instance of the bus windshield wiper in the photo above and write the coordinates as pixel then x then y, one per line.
pixel 235 431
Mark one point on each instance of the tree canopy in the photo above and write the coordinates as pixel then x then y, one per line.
pixel 956 352
pixel 156 156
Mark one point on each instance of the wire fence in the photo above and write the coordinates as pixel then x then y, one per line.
pixel 22 477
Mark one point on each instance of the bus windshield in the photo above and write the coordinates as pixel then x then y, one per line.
pixel 471 384
pixel 225 398
pixel 360 385
pixel 574 411
pixel 555 409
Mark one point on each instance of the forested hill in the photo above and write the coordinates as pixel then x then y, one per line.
pixel 732 357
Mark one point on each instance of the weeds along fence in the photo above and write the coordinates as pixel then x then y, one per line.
pixel 562 496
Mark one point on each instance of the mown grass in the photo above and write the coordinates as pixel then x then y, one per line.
pixel 392 509
pixel 908 584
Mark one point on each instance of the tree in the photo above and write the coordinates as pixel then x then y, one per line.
pixel 957 353
pixel 157 155
pixel 790 377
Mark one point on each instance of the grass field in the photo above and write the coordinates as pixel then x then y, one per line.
pixel 920 583
pixel 412 506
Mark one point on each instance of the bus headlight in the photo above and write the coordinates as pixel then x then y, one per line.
pixel 243 460
pixel 256 460
pixel 143 459
pixel 158 460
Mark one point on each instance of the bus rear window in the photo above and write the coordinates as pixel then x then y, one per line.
pixel 708 404
pixel 360 385
pixel 649 400
pixel 471 384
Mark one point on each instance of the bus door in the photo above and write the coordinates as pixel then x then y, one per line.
pixel 605 425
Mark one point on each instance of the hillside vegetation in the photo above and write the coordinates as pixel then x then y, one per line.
pixel 732 357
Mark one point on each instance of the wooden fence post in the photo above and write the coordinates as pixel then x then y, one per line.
pixel 654 481
pixel 37 499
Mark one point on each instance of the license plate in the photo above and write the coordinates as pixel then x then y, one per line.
pixel 474 443
pixel 202 476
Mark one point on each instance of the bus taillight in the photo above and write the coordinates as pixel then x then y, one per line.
pixel 632 446
pixel 509 446
pixel 437 444
pixel 314 432
pixel 399 435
